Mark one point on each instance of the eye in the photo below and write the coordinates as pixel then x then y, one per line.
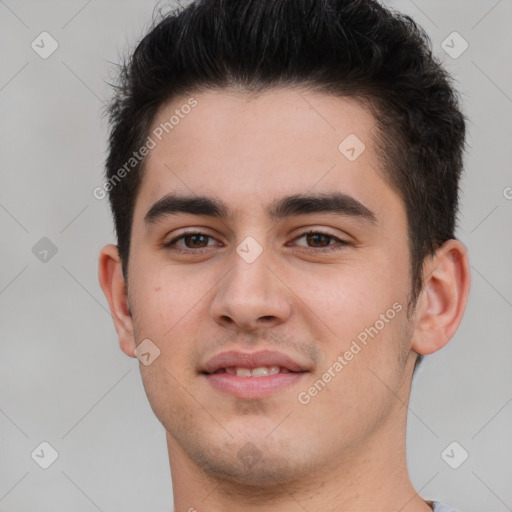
pixel 193 242
pixel 189 241
pixel 316 239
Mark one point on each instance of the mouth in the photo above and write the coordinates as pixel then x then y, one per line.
pixel 252 375
pixel 261 371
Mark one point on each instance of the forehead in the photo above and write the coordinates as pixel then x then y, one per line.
pixel 239 146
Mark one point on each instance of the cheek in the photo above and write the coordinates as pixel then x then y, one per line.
pixel 164 298
pixel 165 390
pixel 165 313
pixel 349 297
pixel 362 308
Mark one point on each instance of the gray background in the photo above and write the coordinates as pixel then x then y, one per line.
pixel 63 378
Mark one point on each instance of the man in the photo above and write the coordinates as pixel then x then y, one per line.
pixel 283 177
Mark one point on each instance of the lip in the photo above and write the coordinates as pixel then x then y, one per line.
pixel 252 360
pixel 252 387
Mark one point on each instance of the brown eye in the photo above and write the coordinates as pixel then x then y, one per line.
pixel 196 241
pixel 321 241
pixel 318 239
pixel 190 242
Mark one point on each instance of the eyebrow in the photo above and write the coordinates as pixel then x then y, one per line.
pixel 288 206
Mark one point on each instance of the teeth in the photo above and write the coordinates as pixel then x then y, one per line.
pixel 262 371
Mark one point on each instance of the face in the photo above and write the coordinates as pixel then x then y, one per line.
pixel 315 289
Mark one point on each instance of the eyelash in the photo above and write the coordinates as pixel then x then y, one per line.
pixel 330 248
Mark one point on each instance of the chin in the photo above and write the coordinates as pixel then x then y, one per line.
pixel 252 459
pixel 266 472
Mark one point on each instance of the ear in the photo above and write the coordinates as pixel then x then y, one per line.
pixel 443 299
pixel 112 283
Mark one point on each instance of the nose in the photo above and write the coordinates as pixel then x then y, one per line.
pixel 252 295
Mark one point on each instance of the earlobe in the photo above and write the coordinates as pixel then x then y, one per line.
pixel 112 283
pixel 443 298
